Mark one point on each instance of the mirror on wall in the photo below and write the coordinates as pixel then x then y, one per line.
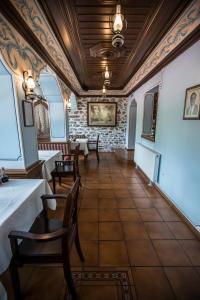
pixel 150 114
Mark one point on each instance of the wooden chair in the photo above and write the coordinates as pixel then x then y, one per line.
pixel 94 146
pixel 48 242
pixel 68 166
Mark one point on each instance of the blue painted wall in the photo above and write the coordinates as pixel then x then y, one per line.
pixel 177 140
pixel 10 149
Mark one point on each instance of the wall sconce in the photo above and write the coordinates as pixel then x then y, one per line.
pixel 28 85
pixel 69 105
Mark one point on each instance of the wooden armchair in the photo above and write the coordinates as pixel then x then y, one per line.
pixel 49 241
pixel 93 145
pixel 68 166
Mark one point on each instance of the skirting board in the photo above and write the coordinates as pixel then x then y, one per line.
pixel 181 215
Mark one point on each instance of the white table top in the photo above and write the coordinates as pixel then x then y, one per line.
pixel 13 193
pixel 49 156
pixel 83 145
pixel 20 204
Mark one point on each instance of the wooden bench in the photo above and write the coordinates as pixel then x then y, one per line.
pixel 64 147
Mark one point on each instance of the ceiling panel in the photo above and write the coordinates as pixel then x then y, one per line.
pixel 83 24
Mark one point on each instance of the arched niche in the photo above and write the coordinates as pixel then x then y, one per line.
pixel 131 130
pixel 57 116
pixel 42 124
pixel 11 154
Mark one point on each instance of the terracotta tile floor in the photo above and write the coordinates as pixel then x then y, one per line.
pixel 127 225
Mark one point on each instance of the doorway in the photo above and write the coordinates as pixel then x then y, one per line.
pixel 132 125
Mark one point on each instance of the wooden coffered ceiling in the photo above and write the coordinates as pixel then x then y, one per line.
pixel 83 25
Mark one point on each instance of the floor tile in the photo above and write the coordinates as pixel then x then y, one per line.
pixel 134 230
pixel 143 202
pixel 152 284
pixel 107 203
pixel 90 252
pixel 168 214
pixel 113 253
pixel 129 215
pixel 192 249
pixel 88 231
pixel 180 230
pixel 149 214
pixel 110 231
pixel 89 202
pixel 159 203
pixel 170 253
pixel 185 283
pixel 158 230
pixel 142 253
pixel 108 214
pixel 125 203
pixel 88 215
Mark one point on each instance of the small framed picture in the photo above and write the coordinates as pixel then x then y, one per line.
pixel 192 103
pixel 27 107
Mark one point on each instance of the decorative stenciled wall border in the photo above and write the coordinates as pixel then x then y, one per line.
pixel 188 22
pixel 18 55
pixel 35 19
pixel 183 27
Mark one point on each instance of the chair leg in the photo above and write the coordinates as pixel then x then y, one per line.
pixel 69 278
pixel 15 280
pixel 97 153
pixel 59 180
pixel 54 184
pixel 78 247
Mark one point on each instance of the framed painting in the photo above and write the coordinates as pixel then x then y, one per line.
pixel 27 107
pixel 102 114
pixel 192 103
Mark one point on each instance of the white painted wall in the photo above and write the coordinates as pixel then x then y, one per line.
pixel 177 140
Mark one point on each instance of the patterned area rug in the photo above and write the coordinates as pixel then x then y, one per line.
pixel 106 285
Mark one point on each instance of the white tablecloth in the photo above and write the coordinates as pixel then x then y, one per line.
pixel 83 145
pixel 49 156
pixel 20 204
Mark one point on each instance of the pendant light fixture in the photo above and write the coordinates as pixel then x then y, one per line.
pixel 107 76
pixel 118 24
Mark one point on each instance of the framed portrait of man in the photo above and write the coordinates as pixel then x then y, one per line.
pixel 102 114
pixel 192 103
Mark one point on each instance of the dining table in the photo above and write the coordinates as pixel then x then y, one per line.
pixel 20 204
pixel 83 145
pixel 49 157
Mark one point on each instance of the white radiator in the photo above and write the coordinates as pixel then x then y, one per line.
pixel 148 160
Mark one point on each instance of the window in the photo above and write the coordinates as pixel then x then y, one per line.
pixel 150 114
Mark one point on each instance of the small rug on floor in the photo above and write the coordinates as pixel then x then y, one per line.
pixel 106 285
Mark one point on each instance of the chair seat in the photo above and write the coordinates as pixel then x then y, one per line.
pixel 32 249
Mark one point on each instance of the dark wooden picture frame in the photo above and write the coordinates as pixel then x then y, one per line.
pixel 27 108
pixel 192 110
pixel 102 114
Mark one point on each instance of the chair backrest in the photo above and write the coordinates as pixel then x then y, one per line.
pixel 70 213
pixel 64 147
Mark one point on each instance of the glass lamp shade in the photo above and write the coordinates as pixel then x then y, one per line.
pixel 30 83
pixel 118 19
pixel 107 74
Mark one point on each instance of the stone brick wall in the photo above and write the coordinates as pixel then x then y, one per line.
pixel 110 137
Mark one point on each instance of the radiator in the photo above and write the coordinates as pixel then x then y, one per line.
pixel 148 161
